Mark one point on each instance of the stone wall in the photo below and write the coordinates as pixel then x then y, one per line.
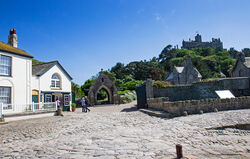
pixel 198 106
pixel 202 90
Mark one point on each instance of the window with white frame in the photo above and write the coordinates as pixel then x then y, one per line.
pixel 5 65
pixel 5 95
pixel 55 81
pixel 66 100
pixel 48 98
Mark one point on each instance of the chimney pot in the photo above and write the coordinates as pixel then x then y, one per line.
pixel 12 39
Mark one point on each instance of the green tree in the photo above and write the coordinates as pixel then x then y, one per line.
pixel 86 86
pixel 246 51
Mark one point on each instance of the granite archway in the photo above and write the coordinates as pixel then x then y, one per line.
pixel 103 82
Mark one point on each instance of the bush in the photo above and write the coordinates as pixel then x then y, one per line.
pixel 131 85
pixel 161 84
pixel 73 105
pixel 124 92
pixel 128 97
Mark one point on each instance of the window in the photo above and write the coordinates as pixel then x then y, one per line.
pixel 5 65
pixel 5 95
pixel 48 98
pixel 55 81
pixel 66 100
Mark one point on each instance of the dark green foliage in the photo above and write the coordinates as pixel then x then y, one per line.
pixel 85 87
pixel 208 61
pixel 102 96
pixel 131 85
pixel 161 84
pixel 246 51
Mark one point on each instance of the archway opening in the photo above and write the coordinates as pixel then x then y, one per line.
pixel 103 97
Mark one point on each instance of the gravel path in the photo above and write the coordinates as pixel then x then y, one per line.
pixel 122 132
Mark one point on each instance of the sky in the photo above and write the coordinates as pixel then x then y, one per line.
pixel 86 36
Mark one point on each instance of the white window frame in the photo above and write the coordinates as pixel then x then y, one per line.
pixel 66 95
pixel 9 97
pixel 48 95
pixel 6 65
pixel 55 81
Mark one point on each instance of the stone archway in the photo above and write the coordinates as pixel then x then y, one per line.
pixel 103 82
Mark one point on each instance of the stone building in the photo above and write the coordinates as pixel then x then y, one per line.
pixel 186 74
pixel 197 43
pixel 103 82
pixel 241 68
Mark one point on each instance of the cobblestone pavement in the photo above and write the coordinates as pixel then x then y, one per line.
pixel 121 132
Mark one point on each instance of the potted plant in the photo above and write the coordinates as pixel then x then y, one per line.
pixel 73 105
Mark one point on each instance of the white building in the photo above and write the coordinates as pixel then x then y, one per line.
pixel 51 82
pixel 24 87
pixel 15 74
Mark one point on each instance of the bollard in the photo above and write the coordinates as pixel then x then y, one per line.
pixel 59 112
pixel 179 151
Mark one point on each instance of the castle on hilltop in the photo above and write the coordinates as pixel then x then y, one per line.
pixel 197 43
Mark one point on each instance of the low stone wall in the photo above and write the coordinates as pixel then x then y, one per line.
pixel 180 108
pixel 239 86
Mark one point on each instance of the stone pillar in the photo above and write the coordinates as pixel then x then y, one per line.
pixel 149 89
pixel 116 99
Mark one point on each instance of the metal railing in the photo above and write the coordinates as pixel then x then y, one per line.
pixel 22 108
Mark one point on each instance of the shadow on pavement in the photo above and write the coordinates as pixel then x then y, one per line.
pixel 131 109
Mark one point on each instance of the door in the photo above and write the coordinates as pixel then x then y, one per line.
pixel 34 98
pixel 141 96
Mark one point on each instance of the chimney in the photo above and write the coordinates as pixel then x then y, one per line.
pixel 12 39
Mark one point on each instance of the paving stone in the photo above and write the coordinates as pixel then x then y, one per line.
pixel 108 132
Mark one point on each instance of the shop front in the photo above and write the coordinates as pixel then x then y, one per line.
pixel 64 98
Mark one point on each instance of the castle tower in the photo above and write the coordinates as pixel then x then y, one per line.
pixel 198 38
pixel 12 39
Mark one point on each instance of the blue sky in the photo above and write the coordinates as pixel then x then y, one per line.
pixel 87 35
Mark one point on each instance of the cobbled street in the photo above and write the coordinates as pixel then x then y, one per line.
pixel 123 132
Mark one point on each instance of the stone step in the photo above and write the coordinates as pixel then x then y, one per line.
pixel 156 113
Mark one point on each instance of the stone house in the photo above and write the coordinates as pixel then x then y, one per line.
pixel 50 82
pixel 186 74
pixel 15 75
pixel 241 68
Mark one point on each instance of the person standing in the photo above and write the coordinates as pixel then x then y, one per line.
pixel 58 103
pixel 87 103
pixel 83 103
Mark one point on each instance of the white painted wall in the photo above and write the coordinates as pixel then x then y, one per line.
pixel 20 81
pixel 35 83
pixel 43 82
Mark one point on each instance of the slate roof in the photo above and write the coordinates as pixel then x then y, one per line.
pixel 170 76
pixel 40 69
pixel 10 49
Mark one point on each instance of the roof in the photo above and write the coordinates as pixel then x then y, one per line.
pixel 170 76
pixel 40 69
pixel 10 49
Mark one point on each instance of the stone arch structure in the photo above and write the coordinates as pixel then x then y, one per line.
pixel 103 82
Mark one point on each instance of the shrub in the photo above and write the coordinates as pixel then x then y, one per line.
pixel 123 92
pixel 73 105
pixel 161 84
pixel 128 97
pixel 131 85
